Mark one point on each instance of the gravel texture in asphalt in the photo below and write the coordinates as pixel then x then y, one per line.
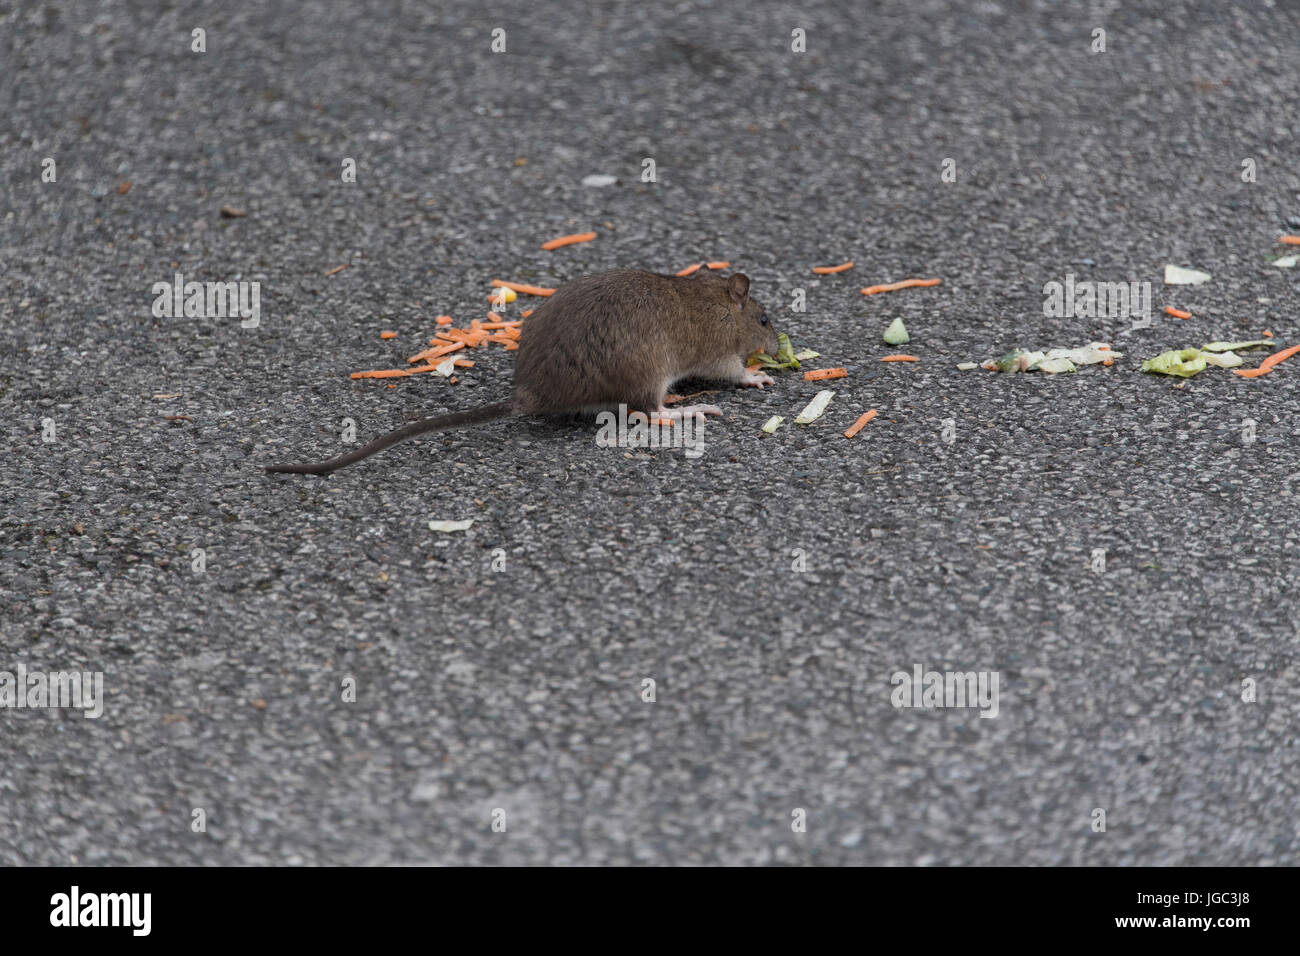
pixel 307 670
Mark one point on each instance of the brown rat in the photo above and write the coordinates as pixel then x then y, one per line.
pixel 615 338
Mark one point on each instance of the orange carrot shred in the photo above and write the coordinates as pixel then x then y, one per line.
pixel 1267 334
pixel 520 287
pixel 526 313
pixel 443 320
pixel 388 335
pixel 1177 313
pixel 463 363
pixel 1289 240
pixel 831 270
pixel 717 265
pixel 860 423
pixel 821 374
pixel 900 358
pixel 894 286
pixel 568 240
pixel 1281 356
pixel 690 270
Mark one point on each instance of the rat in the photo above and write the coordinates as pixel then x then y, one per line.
pixel 610 339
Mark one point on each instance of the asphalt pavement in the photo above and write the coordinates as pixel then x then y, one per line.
pixel 298 670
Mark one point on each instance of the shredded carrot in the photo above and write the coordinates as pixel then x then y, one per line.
pixel 438 352
pixel 386 373
pixel 1267 334
pixel 1268 364
pixel 336 269
pixel 661 421
pixel 690 270
pixel 1289 240
pixel 512 346
pixel 860 423
pixel 453 380
pixel 717 265
pixel 443 320
pixel 499 323
pixel 388 335
pixel 895 286
pixel 1281 356
pixel 821 374
pixel 831 270
pixel 520 287
pixel 900 358
pixel 568 240
pixel 1177 313
pixel 1107 362
pixel 493 317
pixel 476 325
pixel 526 313
pixel 464 363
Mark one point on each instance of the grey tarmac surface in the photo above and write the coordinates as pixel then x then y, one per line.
pixel 1120 689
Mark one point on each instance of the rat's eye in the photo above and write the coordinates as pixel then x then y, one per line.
pixel 762 319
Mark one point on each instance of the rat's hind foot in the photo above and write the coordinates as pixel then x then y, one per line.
pixel 755 379
pixel 677 414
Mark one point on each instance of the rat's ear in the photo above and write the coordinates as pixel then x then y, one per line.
pixel 738 286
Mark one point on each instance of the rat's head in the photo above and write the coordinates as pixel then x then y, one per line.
pixel 753 328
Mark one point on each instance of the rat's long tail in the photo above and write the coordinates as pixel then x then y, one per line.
pixel 479 416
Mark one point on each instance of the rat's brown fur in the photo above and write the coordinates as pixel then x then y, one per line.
pixel 615 338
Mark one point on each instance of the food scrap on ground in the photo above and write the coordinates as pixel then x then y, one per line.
pixel 1054 361
pixel 448 527
pixel 568 240
pixel 717 265
pixel 1289 240
pixel 821 374
pixel 521 287
pixel 1183 363
pixel 831 270
pixel 814 409
pixel 899 358
pixel 335 270
pixel 895 286
pixel 1177 275
pixel 1177 313
pixel 1237 346
pixel 1268 364
pixel 690 270
pixel 773 424
pixel 896 334
pixel 860 423
pixel 388 334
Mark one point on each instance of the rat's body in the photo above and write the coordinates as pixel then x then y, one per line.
pixel 616 338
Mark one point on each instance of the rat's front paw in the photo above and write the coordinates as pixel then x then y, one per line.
pixel 756 379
